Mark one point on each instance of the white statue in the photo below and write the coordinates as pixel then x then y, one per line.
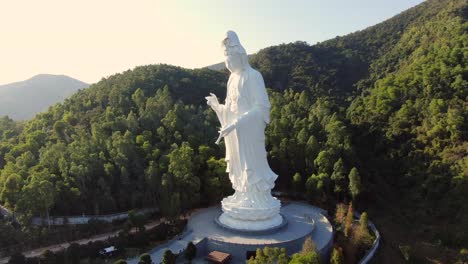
pixel 243 118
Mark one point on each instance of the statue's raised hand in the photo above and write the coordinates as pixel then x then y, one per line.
pixel 212 101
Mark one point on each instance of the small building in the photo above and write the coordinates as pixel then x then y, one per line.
pixel 218 257
pixel 108 251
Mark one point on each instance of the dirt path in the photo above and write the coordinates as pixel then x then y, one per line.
pixel 54 248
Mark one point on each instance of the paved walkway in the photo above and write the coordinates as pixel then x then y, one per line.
pixel 4 211
pixel 176 245
pixel 297 214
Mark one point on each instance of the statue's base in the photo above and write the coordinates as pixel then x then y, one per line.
pixel 265 226
pixel 251 211
pixel 303 221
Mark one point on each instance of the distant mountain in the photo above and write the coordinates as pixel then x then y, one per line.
pixel 216 67
pixel 22 100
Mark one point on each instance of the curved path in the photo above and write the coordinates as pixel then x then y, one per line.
pixel 58 247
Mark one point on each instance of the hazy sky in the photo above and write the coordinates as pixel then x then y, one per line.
pixel 90 39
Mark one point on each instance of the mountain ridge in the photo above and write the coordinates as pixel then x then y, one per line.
pixel 23 99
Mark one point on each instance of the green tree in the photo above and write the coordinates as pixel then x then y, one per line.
pixel 354 183
pixel 362 235
pixel 137 220
pixel 145 258
pixel 11 191
pixel 339 176
pixel 323 162
pixel 260 258
pixel 307 258
pixel 311 186
pixel 168 257
pixel 139 98
pixel 269 255
pixel 340 214
pixel 297 182
pixel 311 151
pixel 349 220
pixel 337 256
pixel 308 246
pixel 283 258
pixel 181 165
pixel 217 183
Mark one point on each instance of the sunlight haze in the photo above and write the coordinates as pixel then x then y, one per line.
pixel 92 39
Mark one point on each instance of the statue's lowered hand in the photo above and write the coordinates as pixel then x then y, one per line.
pixel 225 131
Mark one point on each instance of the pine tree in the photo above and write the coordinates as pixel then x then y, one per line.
pixel 340 213
pixel 337 256
pixel 311 186
pixel 354 183
pixel 362 234
pixel 297 182
pixel 349 221
pixel 308 246
pixel 338 176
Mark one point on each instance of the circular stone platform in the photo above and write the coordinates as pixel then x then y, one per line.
pixel 283 222
pixel 303 220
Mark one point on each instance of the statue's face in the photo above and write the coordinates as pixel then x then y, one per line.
pixel 234 63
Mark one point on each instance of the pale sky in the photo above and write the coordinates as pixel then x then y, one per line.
pixel 91 39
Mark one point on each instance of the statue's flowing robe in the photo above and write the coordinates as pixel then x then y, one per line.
pixel 246 157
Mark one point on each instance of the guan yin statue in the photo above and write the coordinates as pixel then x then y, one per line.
pixel 243 118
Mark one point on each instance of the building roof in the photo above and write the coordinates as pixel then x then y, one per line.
pixel 218 257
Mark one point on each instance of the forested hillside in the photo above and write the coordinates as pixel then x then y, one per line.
pixel 378 116
pixel 400 90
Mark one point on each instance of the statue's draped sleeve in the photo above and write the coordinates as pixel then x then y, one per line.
pixel 258 93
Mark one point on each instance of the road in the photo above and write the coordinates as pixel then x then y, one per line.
pixel 54 248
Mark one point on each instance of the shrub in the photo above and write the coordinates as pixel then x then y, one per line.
pixel 17 258
pixel 405 251
pixel 190 251
pixel 309 258
pixel 74 253
pixel 145 258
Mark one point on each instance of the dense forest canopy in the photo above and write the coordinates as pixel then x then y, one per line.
pixel 375 116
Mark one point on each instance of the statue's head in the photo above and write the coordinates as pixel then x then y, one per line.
pixel 236 57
